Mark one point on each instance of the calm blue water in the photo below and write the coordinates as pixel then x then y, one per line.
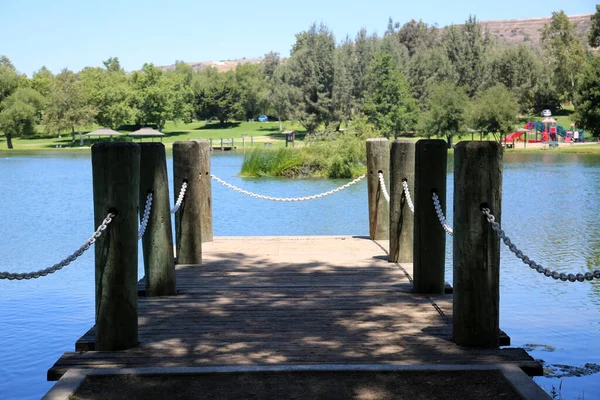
pixel 550 209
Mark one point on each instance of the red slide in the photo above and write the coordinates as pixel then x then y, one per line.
pixel 514 136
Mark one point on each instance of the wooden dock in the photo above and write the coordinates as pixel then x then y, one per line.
pixel 293 301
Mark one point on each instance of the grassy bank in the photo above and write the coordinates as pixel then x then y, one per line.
pixel 261 132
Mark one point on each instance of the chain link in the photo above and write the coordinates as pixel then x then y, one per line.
pixel 407 194
pixel 180 198
pixel 588 276
pixel 287 199
pixel 66 261
pixel 146 217
pixel 383 188
pixel 440 214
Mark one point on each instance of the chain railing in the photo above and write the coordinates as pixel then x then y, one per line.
pixel 287 199
pixel 588 276
pixel 407 195
pixel 56 267
pixel 179 198
pixel 146 217
pixel 383 188
pixel 440 214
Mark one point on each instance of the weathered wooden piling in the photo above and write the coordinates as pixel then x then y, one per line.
pixel 157 241
pixel 431 157
pixel 378 160
pixel 477 182
pixel 116 180
pixel 188 218
pixel 401 221
pixel 205 191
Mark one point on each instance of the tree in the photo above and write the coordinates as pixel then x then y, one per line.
pixel 252 86
pixel 282 95
pixel 9 78
pixel 21 111
pixel 493 111
pixel 467 47
pixel 520 70
pixel 416 36
pixel 67 104
pixel 159 97
pixel 388 104
pixel 217 95
pixel 365 47
pixel 108 92
pixel 559 39
pixel 594 33
pixel 342 102
pixel 42 81
pixel 311 71
pixel 587 100
pixel 427 68
pixel 113 65
pixel 445 115
pixel 269 64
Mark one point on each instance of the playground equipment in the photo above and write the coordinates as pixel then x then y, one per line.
pixel 545 131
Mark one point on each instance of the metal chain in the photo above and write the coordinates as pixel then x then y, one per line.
pixel 588 276
pixel 440 214
pixel 383 188
pixel 66 261
pixel 146 217
pixel 407 194
pixel 180 198
pixel 287 199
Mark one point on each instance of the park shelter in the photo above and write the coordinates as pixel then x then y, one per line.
pixel 103 132
pixel 147 132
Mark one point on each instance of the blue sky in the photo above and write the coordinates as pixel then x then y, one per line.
pixel 76 33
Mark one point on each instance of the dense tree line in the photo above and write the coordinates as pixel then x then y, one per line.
pixel 416 77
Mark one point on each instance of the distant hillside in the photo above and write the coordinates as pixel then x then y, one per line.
pixel 527 30
pixel 530 29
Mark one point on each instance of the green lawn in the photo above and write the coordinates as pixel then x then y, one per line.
pixel 261 132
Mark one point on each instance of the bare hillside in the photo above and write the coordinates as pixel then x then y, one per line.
pixel 527 30
pixel 530 29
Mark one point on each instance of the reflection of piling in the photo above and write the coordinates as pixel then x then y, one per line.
pixel 157 241
pixel 477 182
pixel 401 220
pixel 378 160
pixel 429 253
pixel 116 180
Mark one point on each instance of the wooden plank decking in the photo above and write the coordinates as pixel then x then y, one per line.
pixel 292 300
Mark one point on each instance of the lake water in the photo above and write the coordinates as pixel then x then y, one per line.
pixel 550 210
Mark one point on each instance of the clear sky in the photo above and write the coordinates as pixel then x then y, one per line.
pixel 78 33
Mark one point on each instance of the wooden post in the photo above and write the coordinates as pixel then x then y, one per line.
pixel 116 180
pixel 222 148
pixel 205 191
pixel 188 222
pixel 378 159
pixel 477 181
pixel 431 158
pixel 157 242
pixel 211 145
pixel 232 145
pixel 402 167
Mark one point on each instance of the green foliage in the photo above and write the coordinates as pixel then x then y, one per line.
pixel 21 111
pixel 68 108
pixel 427 68
pixel 467 48
pixel 329 154
pixel 312 71
pixel 493 111
pixel 445 115
pixel 9 78
pixel 567 51
pixel 158 97
pixel 109 93
pixel 587 102
pixel 253 89
pixel 388 104
pixel 217 95
pixel 594 33
pixel 42 81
